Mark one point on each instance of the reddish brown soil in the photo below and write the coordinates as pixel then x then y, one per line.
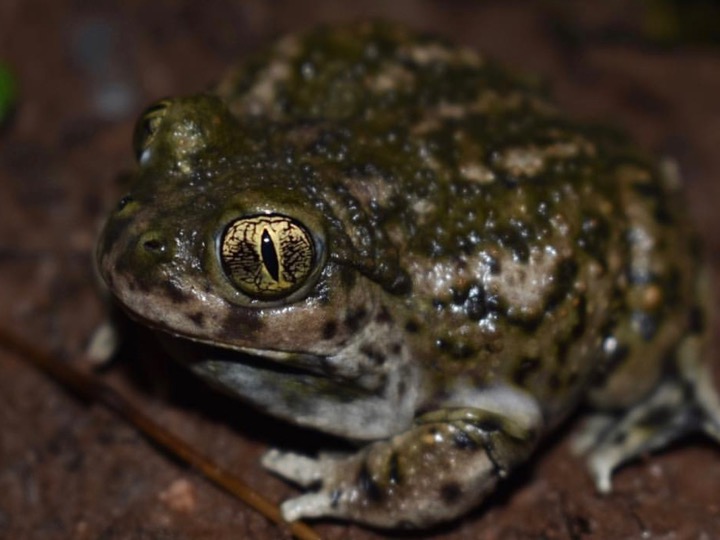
pixel 85 69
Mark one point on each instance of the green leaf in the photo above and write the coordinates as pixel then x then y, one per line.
pixel 8 91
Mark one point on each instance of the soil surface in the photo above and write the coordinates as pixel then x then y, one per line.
pixel 85 70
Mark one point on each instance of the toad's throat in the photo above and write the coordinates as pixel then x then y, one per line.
pixel 310 397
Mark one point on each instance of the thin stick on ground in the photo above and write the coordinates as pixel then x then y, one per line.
pixel 91 388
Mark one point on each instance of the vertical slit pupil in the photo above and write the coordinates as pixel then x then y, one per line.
pixel 269 256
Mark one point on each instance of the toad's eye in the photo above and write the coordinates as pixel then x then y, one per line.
pixel 267 256
pixel 147 127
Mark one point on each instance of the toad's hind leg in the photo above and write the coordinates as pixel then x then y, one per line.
pixel 657 385
pixel 681 404
pixel 438 469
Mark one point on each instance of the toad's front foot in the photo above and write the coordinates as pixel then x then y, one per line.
pixel 447 463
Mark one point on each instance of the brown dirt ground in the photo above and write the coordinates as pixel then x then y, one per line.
pixel 72 470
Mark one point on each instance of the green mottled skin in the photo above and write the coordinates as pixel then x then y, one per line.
pixel 472 237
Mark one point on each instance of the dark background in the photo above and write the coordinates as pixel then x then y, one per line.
pixel 85 69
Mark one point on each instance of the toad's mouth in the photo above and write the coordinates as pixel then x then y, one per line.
pixel 189 347
pixel 193 350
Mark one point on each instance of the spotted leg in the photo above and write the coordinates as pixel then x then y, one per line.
pixel 673 409
pixel 442 466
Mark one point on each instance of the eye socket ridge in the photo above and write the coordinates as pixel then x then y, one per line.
pixel 267 256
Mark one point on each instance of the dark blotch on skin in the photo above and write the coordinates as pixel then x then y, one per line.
pixel 696 323
pixel 383 316
pixel 400 285
pixel 594 236
pixel 578 526
pixel 402 388
pixel 653 191
pixel 450 493
pixel 576 333
pixel 672 287
pixel 368 485
pixel 527 324
pixel 658 418
pixel 347 278
pixel 514 239
pixel 377 357
pixel 493 264
pixel 564 281
pixel 241 323
pixel 198 318
pixel 476 305
pixel 581 324
pixel 176 295
pixel 412 326
pixel 458 296
pixel 562 351
pixel 462 351
pixel 329 330
pixel 650 190
pixel 354 318
pixel 663 215
pixel 526 368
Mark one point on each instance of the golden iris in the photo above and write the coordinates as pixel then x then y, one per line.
pixel 267 256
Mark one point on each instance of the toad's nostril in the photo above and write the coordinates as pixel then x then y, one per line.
pixel 153 245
